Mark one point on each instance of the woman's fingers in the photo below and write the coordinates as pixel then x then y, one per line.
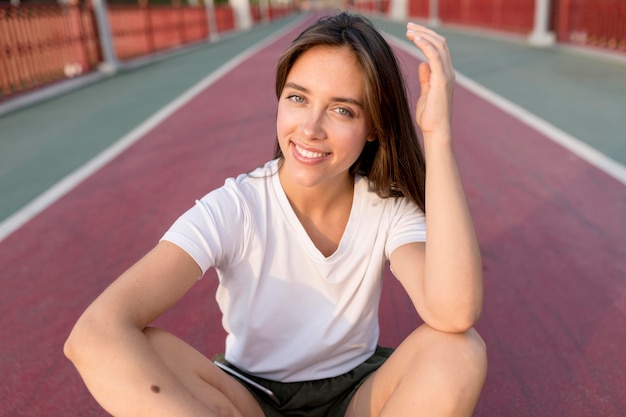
pixel 425 32
pixel 436 78
pixel 423 73
pixel 433 46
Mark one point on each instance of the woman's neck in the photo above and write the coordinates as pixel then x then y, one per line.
pixel 320 199
pixel 323 210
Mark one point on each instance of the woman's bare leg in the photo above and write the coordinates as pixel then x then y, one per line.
pixel 224 395
pixel 431 373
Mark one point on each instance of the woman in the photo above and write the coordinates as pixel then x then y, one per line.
pixel 300 246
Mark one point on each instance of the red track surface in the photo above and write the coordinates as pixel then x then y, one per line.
pixel 551 229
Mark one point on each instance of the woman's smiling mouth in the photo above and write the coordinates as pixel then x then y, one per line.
pixel 309 154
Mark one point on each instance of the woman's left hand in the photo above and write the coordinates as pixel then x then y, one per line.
pixel 434 106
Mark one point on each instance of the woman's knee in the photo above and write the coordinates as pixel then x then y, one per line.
pixel 469 341
pixel 451 366
pixel 439 373
pixel 463 355
pixel 468 345
pixel 472 351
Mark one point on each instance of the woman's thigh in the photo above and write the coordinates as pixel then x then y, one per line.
pixel 216 389
pixel 431 373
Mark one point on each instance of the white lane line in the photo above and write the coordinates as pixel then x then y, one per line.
pixel 569 142
pixel 64 186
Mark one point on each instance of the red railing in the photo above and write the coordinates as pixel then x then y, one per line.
pixel 275 12
pixel 419 9
pixel 40 44
pixel 370 6
pixel 142 30
pixel 515 16
pixel 502 15
pixel 225 18
pixel 599 23
pixel 45 43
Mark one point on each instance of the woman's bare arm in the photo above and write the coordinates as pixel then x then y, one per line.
pixel 112 354
pixel 443 276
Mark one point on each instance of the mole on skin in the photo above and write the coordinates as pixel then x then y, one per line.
pixel 155 388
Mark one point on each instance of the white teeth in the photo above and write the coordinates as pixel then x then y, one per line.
pixel 309 154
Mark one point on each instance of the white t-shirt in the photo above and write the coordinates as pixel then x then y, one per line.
pixel 292 314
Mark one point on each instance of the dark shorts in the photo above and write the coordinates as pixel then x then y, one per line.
pixel 320 398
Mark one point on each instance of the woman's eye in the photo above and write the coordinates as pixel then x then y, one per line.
pixel 295 98
pixel 344 112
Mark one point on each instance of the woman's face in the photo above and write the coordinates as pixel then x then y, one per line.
pixel 321 124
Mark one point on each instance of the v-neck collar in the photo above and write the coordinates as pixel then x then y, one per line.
pixel 304 237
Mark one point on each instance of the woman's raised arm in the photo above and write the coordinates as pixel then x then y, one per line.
pixel 444 276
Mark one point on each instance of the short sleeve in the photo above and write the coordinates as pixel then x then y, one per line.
pixel 407 224
pixel 211 231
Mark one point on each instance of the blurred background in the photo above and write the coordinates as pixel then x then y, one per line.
pixel 91 176
pixel 44 41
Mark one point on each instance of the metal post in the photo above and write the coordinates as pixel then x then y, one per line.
pixel 541 36
pixel 398 10
pixel 243 18
pixel 110 64
pixel 265 10
pixel 434 13
pixel 211 20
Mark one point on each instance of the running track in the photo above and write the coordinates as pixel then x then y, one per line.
pixel 551 229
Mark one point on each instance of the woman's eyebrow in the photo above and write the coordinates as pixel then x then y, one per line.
pixel 305 90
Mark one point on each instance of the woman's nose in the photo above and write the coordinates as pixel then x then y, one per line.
pixel 312 126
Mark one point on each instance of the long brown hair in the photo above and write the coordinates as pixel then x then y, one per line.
pixel 393 162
